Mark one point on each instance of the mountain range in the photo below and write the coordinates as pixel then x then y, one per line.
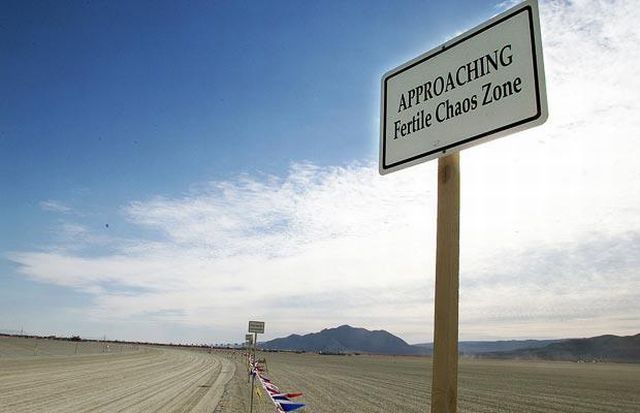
pixel 481 347
pixel 346 339
pixel 600 348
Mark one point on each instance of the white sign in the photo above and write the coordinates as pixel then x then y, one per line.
pixel 248 338
pixel 481 85
pixel 256 327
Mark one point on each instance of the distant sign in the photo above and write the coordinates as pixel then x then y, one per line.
pixel 256 327
pixel 483 84
pixel 248 338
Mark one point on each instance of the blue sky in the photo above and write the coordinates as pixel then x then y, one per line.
pixel 105 102
pixel 195 92
pixel 231 147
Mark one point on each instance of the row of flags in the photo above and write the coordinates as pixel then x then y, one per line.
pixel 282 401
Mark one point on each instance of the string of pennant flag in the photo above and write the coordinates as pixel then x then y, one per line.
pixel 282 401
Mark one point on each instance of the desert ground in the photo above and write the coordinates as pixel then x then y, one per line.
pixel 403 384
pixel 56 376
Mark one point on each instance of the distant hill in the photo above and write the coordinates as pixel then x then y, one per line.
pixel 347 339
pixel 601 348
pixel 344 339
pixel 480 347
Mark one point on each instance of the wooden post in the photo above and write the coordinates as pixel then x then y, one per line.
pixel 444 389
pixel 248 348
pixel 253 377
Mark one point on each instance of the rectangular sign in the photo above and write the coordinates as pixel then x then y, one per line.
pixel 484 84
pixel 256 327
pixel 248 338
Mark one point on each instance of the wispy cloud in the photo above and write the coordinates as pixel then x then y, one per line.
pixel 550 224
pixel 54 206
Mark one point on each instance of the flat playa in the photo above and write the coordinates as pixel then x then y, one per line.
pixel 403 384
pixel 144 380
pixel 55 376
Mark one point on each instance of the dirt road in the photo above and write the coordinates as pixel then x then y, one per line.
pixel 147 380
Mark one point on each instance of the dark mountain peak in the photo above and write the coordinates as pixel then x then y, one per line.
pixel 344 328
pixel 344 338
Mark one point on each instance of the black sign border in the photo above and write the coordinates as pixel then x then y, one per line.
pixel 443 49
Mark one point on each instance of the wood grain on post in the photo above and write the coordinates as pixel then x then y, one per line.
pixel 444 389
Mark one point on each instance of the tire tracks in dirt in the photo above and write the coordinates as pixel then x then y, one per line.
pixel 156 379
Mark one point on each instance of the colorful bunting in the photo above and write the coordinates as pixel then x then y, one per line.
pixel 281 400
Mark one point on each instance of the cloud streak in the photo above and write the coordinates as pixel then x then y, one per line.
pixel 54 206
pixel 550 224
